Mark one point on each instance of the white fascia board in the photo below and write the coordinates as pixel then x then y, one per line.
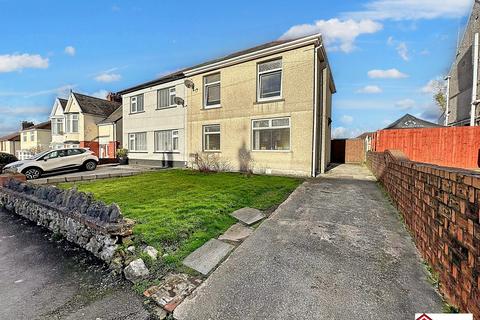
pixel 313 39
pixel 154 88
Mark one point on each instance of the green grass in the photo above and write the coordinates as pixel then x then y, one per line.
pixel 179 210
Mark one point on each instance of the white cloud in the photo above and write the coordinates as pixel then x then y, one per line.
pixel 370 90
pixel 412 9
pixel 342 132
pixel 102 94
pixel 108 77
pixel 346 119
pixel 14 62
pixel 405 104
pixel 70 50
pixel 338 34
pixel 434 86
pixel 386 74
pixel 402 51
pixel 61 91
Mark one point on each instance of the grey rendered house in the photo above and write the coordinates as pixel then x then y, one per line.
pixel 463 96
pixel 154 128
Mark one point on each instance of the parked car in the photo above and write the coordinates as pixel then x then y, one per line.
pixel 54 160
pixel 6 158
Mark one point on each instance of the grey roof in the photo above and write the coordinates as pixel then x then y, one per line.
pixel 63 103
pixel 47 125
pixel 180 73
pixel 408 121
pixel 95 106
pixel 11 137
pixel 114 116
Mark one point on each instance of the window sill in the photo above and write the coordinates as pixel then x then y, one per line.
pixel 217 106
pixel 130 151
pixel 169 152
pixel 269 101
pixel 163 108
pixel 274 151
pixel 212 151
pixel 137 112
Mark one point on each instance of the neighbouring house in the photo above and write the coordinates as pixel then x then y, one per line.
pixel 154 128
pixel 266 109
pixel 10 143
pixel 461 98
pixel 57 118
pixel 110 133
pixel 34 139
pixel 409 122
pixel 83 115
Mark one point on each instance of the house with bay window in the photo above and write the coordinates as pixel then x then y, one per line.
pixel 269 106
pixel 83 117
pixel 154 117
pixel 57 118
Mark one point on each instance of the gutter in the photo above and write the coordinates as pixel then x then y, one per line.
pixel 447 107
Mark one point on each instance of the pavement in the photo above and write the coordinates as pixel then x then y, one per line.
pixel 44 279
pixel 102 172
pixel 336 249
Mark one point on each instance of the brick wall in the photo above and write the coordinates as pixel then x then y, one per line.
pixel 441 209
pixel 449 146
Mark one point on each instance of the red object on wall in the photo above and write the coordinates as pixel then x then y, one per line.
pixel 92 145
pixel 450 146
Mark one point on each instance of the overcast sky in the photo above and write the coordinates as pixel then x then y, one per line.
pixel 383 53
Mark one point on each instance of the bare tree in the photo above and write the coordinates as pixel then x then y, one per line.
pixel 439 89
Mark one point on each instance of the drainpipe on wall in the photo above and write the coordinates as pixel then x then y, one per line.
pixel 447 96
pixel 315 102
pixel 475 82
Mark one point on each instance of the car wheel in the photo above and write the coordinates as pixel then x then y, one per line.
pixel 90 165
pixel 32 173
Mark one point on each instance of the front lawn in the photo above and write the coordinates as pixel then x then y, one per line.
pixel 179 210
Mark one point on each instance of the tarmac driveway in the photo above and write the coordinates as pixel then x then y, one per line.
pixel 335 250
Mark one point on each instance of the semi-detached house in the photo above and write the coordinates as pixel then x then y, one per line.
pixel 267 108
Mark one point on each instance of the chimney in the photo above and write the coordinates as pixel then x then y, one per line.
pixel 114 97
pixel 27 124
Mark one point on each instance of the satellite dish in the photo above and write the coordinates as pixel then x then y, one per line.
pixel 179 101
pixel 189 84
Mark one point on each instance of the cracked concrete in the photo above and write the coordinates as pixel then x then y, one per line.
pixel 336 249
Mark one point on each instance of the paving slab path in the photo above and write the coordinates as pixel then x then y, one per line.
pixel 336 249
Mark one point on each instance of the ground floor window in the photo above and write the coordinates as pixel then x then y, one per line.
pixel 137 141
pixel 166 141
pixel 271 134
pixel 211 137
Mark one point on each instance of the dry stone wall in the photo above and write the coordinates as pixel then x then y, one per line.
pixel 91 224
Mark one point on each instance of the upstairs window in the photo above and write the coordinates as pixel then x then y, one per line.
pixel 32 136
pixel 136 103
pixel 72 122
pixel 166 98
pixel 211 91
pixel 271 134
pixel 24 135
pixel 57 126
pixel 270 80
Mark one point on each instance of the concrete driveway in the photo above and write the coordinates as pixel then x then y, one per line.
pixel 46 280
pixel 335 250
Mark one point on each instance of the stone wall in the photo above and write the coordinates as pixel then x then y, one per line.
pixel 79 218
pixel 441 210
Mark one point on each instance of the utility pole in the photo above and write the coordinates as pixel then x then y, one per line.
pixel 447 97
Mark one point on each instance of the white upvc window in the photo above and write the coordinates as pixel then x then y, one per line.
pixel 269 81
pixel 166 98
pixel 136 103
pixel 137 141
pixel 211 91
pixel 24 136
pixel 211 137
pixel 57 126
pixel 166 141
pixel 271 134
pixel 32 136
pixel 72 123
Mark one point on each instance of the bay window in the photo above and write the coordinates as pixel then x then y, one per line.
pixel 271 134
pixel 57 126
pixel 72 123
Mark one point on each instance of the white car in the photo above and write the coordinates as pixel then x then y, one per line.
pixel 54 160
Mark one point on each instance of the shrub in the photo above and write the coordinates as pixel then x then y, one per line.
pixel 122 153
pixel 6 158
pixel 210 162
